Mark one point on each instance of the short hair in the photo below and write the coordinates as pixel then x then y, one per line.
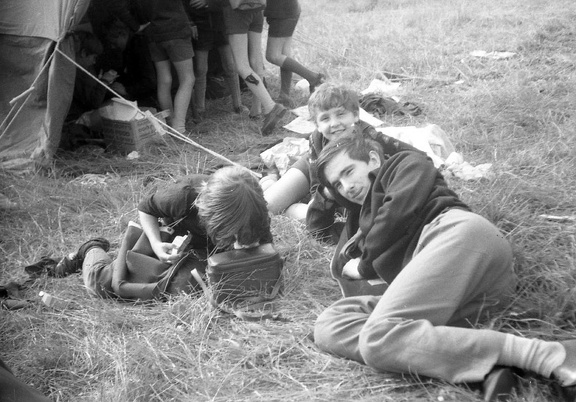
pixel 355 145
pixel 329 95
pixel 87 41
pixel 232 207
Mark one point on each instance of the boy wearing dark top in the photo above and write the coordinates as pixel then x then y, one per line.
pixel 221 211
pixel 445 266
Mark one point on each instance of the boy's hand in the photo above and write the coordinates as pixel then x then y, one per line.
pixel 350 270
pixel 164 252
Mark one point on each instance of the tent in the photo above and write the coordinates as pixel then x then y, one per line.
pixel 36 80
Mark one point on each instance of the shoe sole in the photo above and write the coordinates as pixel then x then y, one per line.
pixel 499 385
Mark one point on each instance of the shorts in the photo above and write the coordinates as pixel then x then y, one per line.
pixel 174 50
pixel 240 22
pixel 281 27
pixel 209 39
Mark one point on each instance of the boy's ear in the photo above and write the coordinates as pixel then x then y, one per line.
pixel 375 161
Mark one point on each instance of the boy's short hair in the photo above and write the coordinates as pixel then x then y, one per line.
pixel 87 41
pixel 232 207
pixel 330 95
pixel 355 145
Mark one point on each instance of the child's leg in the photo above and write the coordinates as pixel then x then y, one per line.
pixel 239 47
pixel 185 71
pixel 231 76
pixel 164 85
pixel 97 271
pixel 201 68
pixel 257 64
pixel 291 188
pixel 297 211
pixel 279 52
pixel 239 43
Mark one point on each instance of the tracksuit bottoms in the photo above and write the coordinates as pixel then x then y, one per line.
pixel 422 324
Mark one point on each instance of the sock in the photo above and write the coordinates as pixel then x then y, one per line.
pixel 535 355
pixel 285 82
pixel 292 65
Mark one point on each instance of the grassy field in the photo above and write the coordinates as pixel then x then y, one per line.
pixel 517 113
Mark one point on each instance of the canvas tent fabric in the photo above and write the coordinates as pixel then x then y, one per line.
pixel 36 81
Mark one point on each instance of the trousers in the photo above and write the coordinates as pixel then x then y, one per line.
pixel 97 272
pixel 460 271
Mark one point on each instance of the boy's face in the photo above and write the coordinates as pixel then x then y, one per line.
pixel 350 176
pixel 335 122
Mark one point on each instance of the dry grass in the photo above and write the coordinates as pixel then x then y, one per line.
pixel 517 114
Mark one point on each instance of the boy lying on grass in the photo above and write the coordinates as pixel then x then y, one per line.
pixel 335 110
pixel 224 210
pixel 446 268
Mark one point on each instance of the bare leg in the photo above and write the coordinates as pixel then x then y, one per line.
pixel 238 43
pixel 290 189
pixel 231 76
pixel 201 68
pixel 164 85
pixel 185 72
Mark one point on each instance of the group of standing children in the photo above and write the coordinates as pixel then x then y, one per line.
pixel 180 35
pixel 243 29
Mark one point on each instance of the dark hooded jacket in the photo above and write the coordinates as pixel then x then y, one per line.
pixel 407 193
pixel 321 213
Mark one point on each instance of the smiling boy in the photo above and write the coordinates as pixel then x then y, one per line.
pixel 446 268
pixel 335 110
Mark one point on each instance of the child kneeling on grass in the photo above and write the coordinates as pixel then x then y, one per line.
pixel 335 110
pixel 224 210
pixel 446 268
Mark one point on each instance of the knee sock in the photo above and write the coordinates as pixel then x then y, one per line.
pixel 535 355
pixel 285 82
pixel 292 65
